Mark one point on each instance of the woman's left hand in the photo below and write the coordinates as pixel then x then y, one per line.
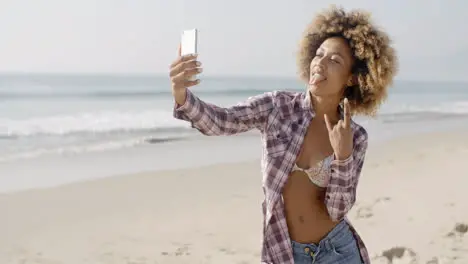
pixel 341 134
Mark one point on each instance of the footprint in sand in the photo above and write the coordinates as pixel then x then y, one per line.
pixel 453 252
pixel 181 250
pixel 458 231
pixel 397 255
pixel 461 228
pixel 456 248
pixel 364 212
pixel 433 261
pixel 367 211
pixel 227 251
pixel 382 199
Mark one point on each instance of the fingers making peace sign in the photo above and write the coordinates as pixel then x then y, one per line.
pixel 341 134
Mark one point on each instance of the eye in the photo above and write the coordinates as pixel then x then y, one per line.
pixel 319 55
pixel 334 60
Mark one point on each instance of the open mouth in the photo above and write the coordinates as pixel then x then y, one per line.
pixel 317 78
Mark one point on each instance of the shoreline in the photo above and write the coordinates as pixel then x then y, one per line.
pixel 66 168
pixel 388 142
pixel 411 193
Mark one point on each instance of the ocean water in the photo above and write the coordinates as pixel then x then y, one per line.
pixel 66 115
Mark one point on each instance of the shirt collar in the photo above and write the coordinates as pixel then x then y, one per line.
pixel 306 104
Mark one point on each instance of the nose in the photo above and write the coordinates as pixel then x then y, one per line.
pixel 319 65
pixel 321 61
pixel 318 68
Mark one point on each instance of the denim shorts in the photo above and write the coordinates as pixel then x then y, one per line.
pixel 338 247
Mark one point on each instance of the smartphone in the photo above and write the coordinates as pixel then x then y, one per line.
pixel 189 42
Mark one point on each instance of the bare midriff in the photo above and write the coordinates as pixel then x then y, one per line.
pixel 304 202
pixel 306 214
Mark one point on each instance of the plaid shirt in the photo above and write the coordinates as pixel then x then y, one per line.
pixel 282 118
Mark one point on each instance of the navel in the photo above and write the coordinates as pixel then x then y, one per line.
pixel 301 219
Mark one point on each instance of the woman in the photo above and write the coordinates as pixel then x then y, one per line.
pixel 313 150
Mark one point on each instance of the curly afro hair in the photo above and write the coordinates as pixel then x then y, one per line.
pixel 375 60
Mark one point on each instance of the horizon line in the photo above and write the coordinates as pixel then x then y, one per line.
pixel 150 74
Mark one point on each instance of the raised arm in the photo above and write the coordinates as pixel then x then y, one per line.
pixel 212 120
pixel 341 190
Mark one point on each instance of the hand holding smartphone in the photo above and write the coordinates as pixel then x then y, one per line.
pixel 185 68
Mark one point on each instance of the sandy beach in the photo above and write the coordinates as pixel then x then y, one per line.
pixel 411 208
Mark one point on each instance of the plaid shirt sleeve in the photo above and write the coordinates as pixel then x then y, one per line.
pixel 212 120
pixel 341 191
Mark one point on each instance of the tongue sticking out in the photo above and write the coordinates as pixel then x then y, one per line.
pixel 316 78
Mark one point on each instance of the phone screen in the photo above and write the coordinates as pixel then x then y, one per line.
pixel 189 42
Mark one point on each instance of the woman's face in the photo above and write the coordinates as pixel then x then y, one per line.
pixel 330 69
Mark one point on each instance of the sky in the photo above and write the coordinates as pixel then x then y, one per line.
pixel 239 38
